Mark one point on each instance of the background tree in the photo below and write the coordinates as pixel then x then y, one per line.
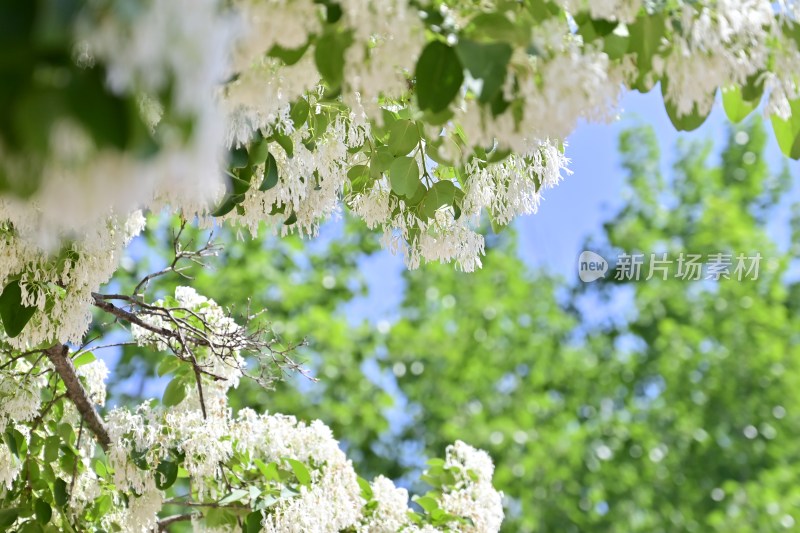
pixel 673 415
pixel 418 117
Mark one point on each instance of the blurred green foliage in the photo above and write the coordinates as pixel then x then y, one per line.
pixel 679 413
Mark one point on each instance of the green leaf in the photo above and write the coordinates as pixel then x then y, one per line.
pixel 139 458
pixel 366 488
pixel 175 392
pixel 787 132
pixel 228 204
pixel 404 176
pixel 43 511
pixel 100 468
pixel 252 524
pixel 51 448
pixel 616 44
pixel 240 183
pixel 319 123
pixel 645 40
pixel 270 173
pixel 439 75
pixel 103 505
pixel 487 62
pixel 419 195
pixel 8 517
pixel 492 27
pixel 441 194
pixel 359 178
pixel 403 137
pixel 753 88
pixel 167 365
pixel 736 107
pixel 585 27
pixel 235 496
pixel 603 27
pixel 237 158
pixel 66 433
pixel 258 152
pixel 220 517
pixel 269 471
pixel 60 495
pixel 689 122
pixel 329 56
pixel 380 162
pixel 15 315
pixel 427 503
pixel 300 471
pixel 289 56
pixel 299 112
pixel 11 442
pixel 284 141
pixel 166 474
pixel 437 119
pixel 84 359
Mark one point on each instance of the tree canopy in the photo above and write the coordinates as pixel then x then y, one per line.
pixel 430 121
pixel 674 415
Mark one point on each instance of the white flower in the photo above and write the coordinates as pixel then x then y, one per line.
pixel 391 512
pixel 95 374
pixel 473 495
pixel 10 466
pixel 19 398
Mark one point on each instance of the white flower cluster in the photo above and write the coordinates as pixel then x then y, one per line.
pixel 310 183
pixel 19 395
pixel 94 376
pixel 59 285
pixel 331 500
pixel 442 238
pixel 716 48
pixel 260 96
pixel 473 495
pixel 622 10
pixel 506 189
pixel 200 316
pixel 206 439
pixel 20 404
pixel 20 401
pixel 391 510
pixel 9 467
pixel 513 187
pixel 388 38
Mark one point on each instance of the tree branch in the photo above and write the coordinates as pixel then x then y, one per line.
pixel 100 302
pixel 59 356
pixel 165 522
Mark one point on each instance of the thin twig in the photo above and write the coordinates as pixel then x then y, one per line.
pixel 164 523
